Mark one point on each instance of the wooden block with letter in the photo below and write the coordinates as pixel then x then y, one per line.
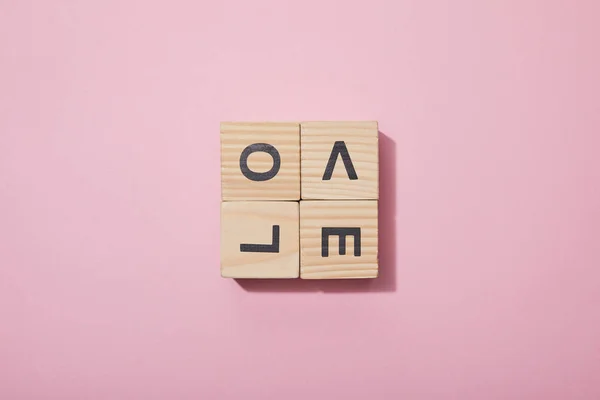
pixel 338 239
pixel 260 239
pixel 339 160
pixel 260 161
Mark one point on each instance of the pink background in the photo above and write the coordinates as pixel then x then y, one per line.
pixel 109 198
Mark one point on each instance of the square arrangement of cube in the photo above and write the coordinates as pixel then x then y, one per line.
pixel 299 200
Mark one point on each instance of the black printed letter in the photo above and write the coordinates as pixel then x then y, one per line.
pixel 340 148
pixel 263 248
pixel 342 233
pixel 260 176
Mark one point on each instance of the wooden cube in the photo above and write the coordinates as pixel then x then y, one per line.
pixel 339 160
pixel 338 239
pixel 260 161
pixel 260 239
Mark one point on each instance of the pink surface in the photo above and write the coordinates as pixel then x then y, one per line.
pixel 109 196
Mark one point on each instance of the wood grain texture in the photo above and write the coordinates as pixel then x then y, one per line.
pixel 315 215
pixel 251 223
pixel 317 141
pixel 236 136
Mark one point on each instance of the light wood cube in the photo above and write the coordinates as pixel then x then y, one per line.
pixel 339 160
pixel 338 239
pixel 260 239
pixel 260 161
